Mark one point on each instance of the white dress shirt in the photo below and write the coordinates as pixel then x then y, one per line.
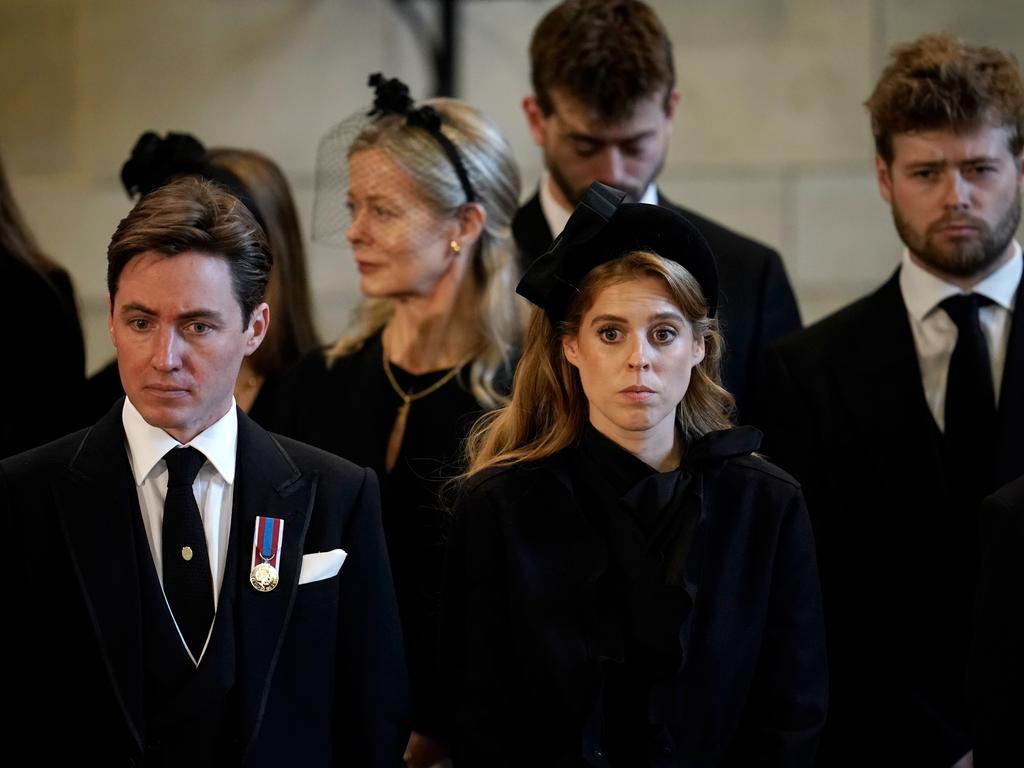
pixel 213 486
pixel 935 333
pixel 557 216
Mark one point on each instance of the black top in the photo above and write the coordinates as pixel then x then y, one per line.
pixel 349 409
pixel 596 612
pixel 43 355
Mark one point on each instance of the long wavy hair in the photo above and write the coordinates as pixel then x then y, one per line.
pixel 16 238
pixel 292 331
pixel 549 409
pixel 494 176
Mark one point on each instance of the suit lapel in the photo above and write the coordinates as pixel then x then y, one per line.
pixel 268 484
pixel 1010 456
pixel 93 497
pixel 880 382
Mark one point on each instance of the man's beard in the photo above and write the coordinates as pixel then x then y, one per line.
pixel 574 195
pixel 967 257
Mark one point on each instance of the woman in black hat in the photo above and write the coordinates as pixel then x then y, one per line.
pixel 627 583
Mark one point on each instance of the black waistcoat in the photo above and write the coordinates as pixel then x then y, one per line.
pixel 191 712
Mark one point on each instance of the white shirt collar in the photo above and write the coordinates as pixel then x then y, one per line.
pixel 148 444
pixel 557 216
pixel 922 291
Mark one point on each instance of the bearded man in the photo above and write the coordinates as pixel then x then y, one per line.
pixel 902 411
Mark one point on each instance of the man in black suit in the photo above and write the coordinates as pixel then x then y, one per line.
pixel 602 106
pixel 901 411
pixel 997 656
pixel 192 590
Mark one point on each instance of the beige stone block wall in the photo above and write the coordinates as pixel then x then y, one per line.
pixel 771 137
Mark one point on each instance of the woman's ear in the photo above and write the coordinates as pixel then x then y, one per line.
pixel 571 350
pixel 471 218
pixel 699 350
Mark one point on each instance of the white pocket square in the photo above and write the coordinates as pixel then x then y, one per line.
pixel 321 565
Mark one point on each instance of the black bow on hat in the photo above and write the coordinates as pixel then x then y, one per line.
pixel 603 228
pixel 157 161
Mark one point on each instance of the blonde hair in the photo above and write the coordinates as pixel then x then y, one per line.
pixel 549 409
pixel 494 177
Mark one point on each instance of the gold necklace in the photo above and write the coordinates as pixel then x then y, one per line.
pixel 398 430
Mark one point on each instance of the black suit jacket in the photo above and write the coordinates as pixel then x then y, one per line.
pixel 756 305
pixel 320 678
pixel 898 560
pixel 997 657
pixel 525 635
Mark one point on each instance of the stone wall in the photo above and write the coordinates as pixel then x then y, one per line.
pixel 771 137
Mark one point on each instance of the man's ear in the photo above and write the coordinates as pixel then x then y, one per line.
pixel 259 323
pixel 883 171
pixel 535 119
pixel 110 318
pixel 671 104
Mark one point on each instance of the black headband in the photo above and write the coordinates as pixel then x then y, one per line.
pixel 392 98
pixel 602 228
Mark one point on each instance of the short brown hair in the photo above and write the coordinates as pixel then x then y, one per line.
pixel 606 54
pixel 940 82
pixel 193 214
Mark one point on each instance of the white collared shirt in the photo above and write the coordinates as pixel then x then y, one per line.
pixel 935 333
pixel 213 486
pixel 557 216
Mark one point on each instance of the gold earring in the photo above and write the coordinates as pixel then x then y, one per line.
pixel 456 248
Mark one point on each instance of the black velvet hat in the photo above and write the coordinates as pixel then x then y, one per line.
pixel 603 228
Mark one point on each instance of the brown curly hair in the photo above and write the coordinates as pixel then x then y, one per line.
pixel 940 82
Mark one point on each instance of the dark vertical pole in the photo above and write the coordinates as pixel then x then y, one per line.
pixel 445 59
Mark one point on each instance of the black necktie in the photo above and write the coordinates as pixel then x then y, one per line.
pixel 970 432
pixel 187 580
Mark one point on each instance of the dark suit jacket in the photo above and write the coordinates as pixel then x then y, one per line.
pixel 997 657
pixel 524 633
pixel 756 305
pixel 320 678
pixel 898 560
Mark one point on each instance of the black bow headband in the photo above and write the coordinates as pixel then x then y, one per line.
pixel 392 98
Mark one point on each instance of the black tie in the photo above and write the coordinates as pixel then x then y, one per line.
pixel 971 423
pixel 187 580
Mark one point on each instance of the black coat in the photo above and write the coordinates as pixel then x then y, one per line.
pixel 44 358
pixel 756 304
pixel 525 634
pixel 320 678
pixel 997 657
pixel 898 559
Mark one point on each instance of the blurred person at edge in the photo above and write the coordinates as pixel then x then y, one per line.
pixel 44 339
